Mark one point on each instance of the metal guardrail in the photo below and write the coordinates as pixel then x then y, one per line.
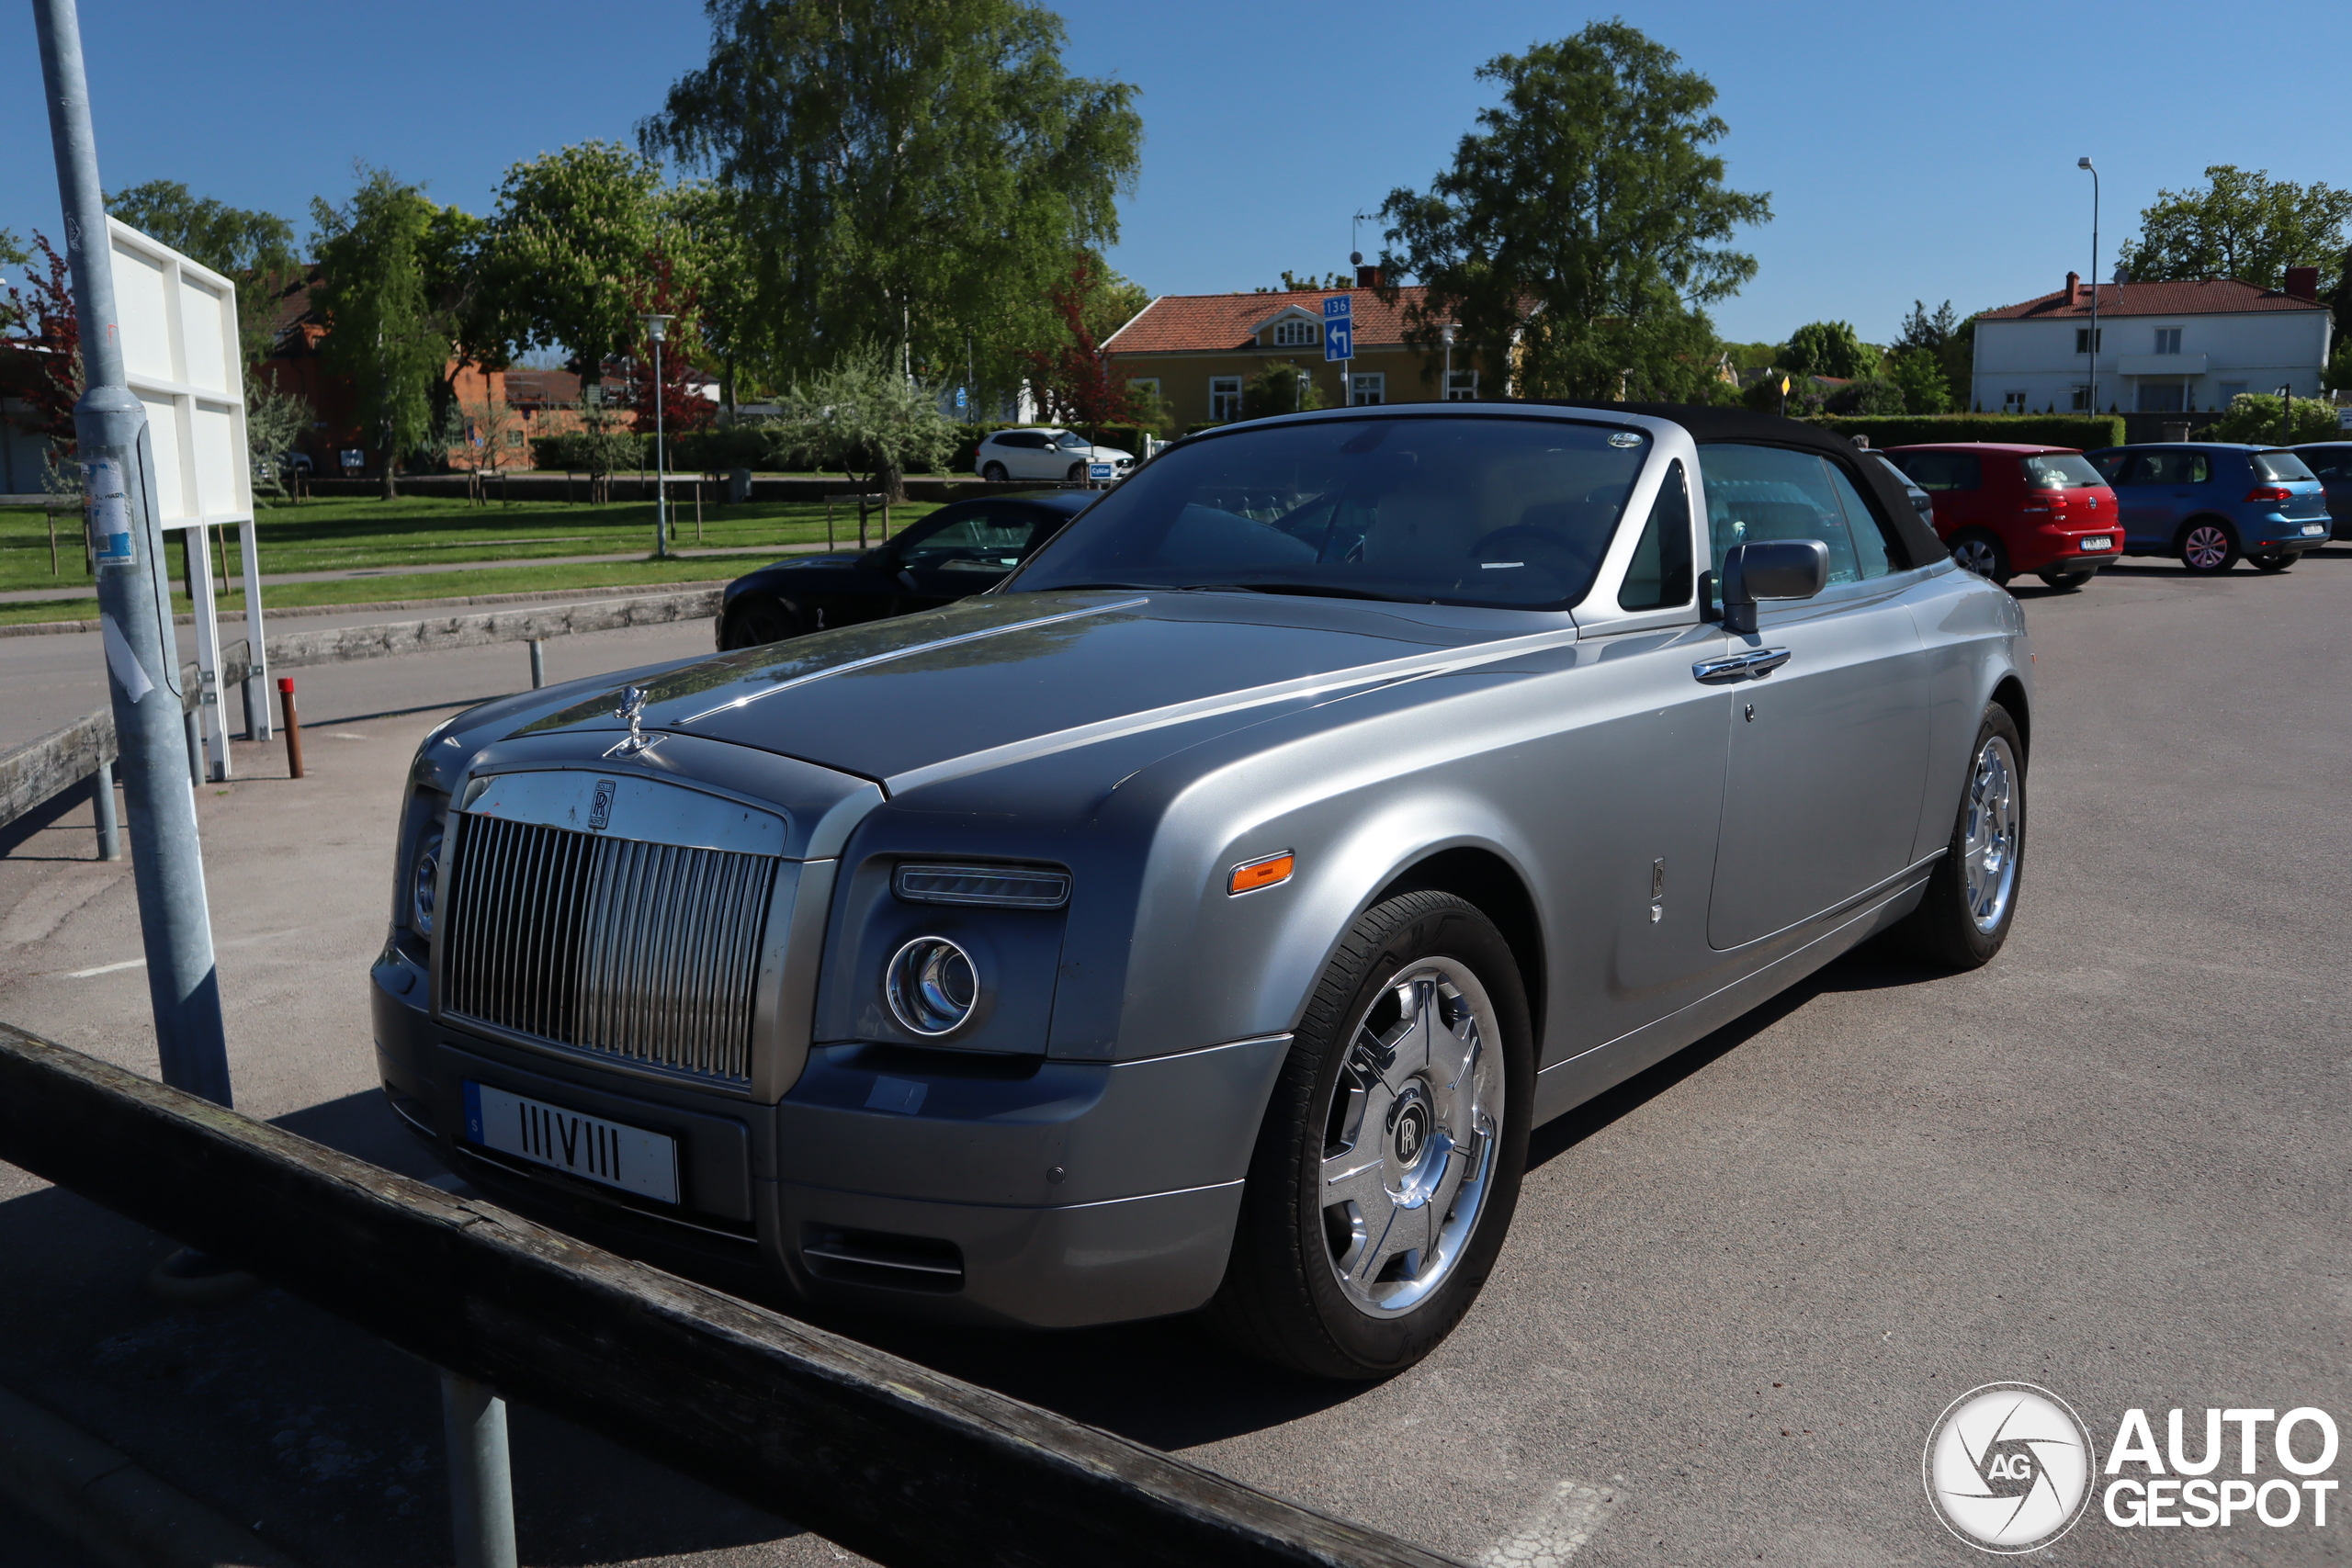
pixel 41 770
pixel 887 1458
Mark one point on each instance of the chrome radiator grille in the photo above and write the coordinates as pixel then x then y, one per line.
pixel 648 952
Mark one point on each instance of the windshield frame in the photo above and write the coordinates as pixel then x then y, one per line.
pixel 1665 441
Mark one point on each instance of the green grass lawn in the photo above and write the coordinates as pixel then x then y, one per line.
pixel 380 536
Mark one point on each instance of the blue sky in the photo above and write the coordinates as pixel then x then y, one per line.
pixel 1911 152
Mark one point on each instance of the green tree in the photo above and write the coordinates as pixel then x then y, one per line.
pixel 1918 375
pixel 252 250
pixel 1584 221
pixel 382 328
pixel 1828 349
pixel 12 249
pixel 2243 225
pixel 2339 367
pixel 703 228
pixel 275 420
pixel 914 173
pixel 565 253
pixel 1295 283
pixel 2256 418
pixel 1282 387
pixel 865 416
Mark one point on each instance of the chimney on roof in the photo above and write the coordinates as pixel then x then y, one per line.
pixel 2073 289
pixel 2302 282
pixel 1367 276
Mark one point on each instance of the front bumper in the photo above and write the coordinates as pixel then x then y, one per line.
pixel 1015 1192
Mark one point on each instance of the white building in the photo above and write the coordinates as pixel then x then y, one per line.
pixel 2163 349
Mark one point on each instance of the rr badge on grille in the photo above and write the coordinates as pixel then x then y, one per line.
pixel 599 813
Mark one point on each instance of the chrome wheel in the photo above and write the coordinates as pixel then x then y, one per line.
pixel 1411 1136
pixel 1989 835
pixel 1979 555
pixel 2206 548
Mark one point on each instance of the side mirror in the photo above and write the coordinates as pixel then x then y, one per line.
pixel 1775 569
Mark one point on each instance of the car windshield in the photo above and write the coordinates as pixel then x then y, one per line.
pixel 2060 470
pixel 1072 438
pixel 2282 468
pixel 1507 512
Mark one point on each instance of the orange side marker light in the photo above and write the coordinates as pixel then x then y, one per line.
pixel 1252 875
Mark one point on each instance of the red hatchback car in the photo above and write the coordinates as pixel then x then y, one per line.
pixel 2007 508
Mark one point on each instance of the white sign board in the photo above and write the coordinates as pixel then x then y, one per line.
pixel 178 323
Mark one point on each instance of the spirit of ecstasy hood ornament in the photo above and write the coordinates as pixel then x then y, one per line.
pixel 632 707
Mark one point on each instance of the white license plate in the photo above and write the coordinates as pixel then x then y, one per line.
pixel 587 1146
pixel 2314 528
pixel 2101 543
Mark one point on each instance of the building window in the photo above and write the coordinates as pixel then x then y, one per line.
pixel 2167 340
pixel 2013 402
pixel 1296 330
pixel 2162 397
pixel 1368 390
pixel 514 438
pixel 2079 398
pixel 1225 397
pixel 2083 339
pixel 1461 387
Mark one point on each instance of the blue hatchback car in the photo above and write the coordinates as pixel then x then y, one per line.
pixel 2208 503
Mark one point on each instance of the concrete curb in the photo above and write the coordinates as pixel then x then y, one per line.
pixel 102 1504
pixel 272 613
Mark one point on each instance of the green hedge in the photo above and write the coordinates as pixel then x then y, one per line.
pixel 2086 432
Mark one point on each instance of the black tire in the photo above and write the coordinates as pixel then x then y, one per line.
pixel 2280 561
pixel 2067 582
pixel 995 472
pixel 2207 545
pixel 1077 473
pixel 1946 928
pixel 758 621
pixel 1282 1299
pixel 1983 554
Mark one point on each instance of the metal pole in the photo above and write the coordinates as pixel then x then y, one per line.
pixel 292 726
pixel 195 748
pixel 2086 164
pixel 538 663
pixel 118 466
pixel 482 1487
pixel 661 489
pixel 102 798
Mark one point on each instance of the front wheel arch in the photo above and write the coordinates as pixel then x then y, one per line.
pixel 1486 881
pixel 2010 694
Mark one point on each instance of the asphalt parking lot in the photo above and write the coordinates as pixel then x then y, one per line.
pixel 1738 1290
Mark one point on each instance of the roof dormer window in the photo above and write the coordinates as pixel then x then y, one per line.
pixel 1297 332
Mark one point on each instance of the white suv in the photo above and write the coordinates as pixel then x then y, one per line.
pixel 1045 453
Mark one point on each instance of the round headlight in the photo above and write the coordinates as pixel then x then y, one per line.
pixel 422 878
pixel 931 985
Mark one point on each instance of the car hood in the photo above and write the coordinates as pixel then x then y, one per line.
pixel 999 677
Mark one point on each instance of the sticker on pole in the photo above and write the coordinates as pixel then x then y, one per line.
pixel 107 514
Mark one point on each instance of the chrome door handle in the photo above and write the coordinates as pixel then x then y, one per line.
pixel 1747 666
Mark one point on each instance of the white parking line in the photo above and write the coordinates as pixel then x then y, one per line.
pixel 1562 1526
pixel 107 968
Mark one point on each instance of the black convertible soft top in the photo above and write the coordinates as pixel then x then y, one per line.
pixel 1916 540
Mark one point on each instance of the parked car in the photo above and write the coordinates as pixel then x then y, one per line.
pixel 957 551
pixel 2003 508
pixel 1045 453
pixel 2331 463
pixel 1921 501
pixel 1203 918
pixel 2206 503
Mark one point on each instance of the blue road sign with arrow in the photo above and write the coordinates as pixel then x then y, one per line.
pixel 1339 327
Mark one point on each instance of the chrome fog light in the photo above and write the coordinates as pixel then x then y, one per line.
pixel 931 985
pixel 423 879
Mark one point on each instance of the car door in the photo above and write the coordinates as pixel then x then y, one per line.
pixel 942 560
pixel 1827 754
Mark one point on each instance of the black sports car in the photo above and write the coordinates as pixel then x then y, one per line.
pixel 955 552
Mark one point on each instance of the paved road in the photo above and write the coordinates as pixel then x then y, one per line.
pixel 1738 1290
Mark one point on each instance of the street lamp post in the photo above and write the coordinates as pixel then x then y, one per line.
pixel 657 327
pixel 1445 335
pixel 2086 163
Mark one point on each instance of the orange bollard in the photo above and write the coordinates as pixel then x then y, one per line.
pixel 293 728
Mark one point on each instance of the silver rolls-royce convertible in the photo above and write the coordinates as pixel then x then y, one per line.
pixel 1201 920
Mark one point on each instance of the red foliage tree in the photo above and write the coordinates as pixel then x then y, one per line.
pixel 1076 381
pixel 682 406
pixel 40 324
